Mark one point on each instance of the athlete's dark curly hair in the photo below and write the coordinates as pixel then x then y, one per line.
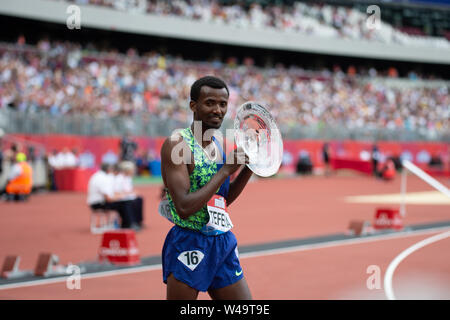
pixel 209 81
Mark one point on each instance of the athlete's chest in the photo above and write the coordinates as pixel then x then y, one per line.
pixel 204 160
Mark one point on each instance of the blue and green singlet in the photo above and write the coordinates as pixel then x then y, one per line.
pixel 204 170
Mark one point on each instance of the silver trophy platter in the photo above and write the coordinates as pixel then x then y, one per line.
pixel 258 135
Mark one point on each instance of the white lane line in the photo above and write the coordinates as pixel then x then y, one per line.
pixel 93 275
pixel 393 265
pixel 336 243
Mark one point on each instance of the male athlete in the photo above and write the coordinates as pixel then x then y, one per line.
pixel 200 252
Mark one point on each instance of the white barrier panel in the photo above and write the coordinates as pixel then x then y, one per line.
pixel 426 177
pixel 422 175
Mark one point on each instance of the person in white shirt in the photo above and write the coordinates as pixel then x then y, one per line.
pixel 86 159
pixel 101 195
pixel 119 183
pixel 67 159
pixel 125 176
pixel 53 160
pixel 123 187
pixel 110 157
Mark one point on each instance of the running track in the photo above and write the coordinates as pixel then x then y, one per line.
pixel 270 210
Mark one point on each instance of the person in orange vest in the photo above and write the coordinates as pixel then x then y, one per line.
pixel 20 180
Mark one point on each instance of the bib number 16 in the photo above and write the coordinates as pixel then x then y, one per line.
pixel 191 259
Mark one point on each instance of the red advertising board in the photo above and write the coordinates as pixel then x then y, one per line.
pixel 386 218
pixel 119 247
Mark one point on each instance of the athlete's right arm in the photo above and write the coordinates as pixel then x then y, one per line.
pixel 176 178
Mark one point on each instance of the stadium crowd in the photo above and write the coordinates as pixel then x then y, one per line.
pixel 309 19
pixel 65 78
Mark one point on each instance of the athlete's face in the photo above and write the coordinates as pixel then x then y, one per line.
pixel 211 107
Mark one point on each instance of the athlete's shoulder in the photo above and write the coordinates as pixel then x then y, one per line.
pixel 175 145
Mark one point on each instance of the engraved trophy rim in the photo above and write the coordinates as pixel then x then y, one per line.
pixel 266 160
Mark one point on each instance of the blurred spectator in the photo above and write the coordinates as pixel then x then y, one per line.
pixel 123 185
pixel 31 154
pixel 397 162
pixel 101 196
pixel 142 163
pixel 412 75
pixel 110 158
pixel 365 155
pixel 375 157
pixel 287 158
pixel 326 157
pixel 52 165
pixel 53 159
pixel 127 148
pixel 66 159
pixel 392 73
pixel 423 157
pixel 406 155
pixel 10 154
pixel 436 161
pixel 351 71
pixel 76 156
pixel 87 159
pixel 387 171
pixel 154 163
pixel 20 179
pixel 1 151
pixel 304 164
pixel 21 40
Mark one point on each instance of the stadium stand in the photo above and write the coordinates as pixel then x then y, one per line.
pixel 306 31
pixel 71 79
pixel 311 19
pixel 92 89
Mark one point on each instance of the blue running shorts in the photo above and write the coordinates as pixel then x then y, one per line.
pixel 202 262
